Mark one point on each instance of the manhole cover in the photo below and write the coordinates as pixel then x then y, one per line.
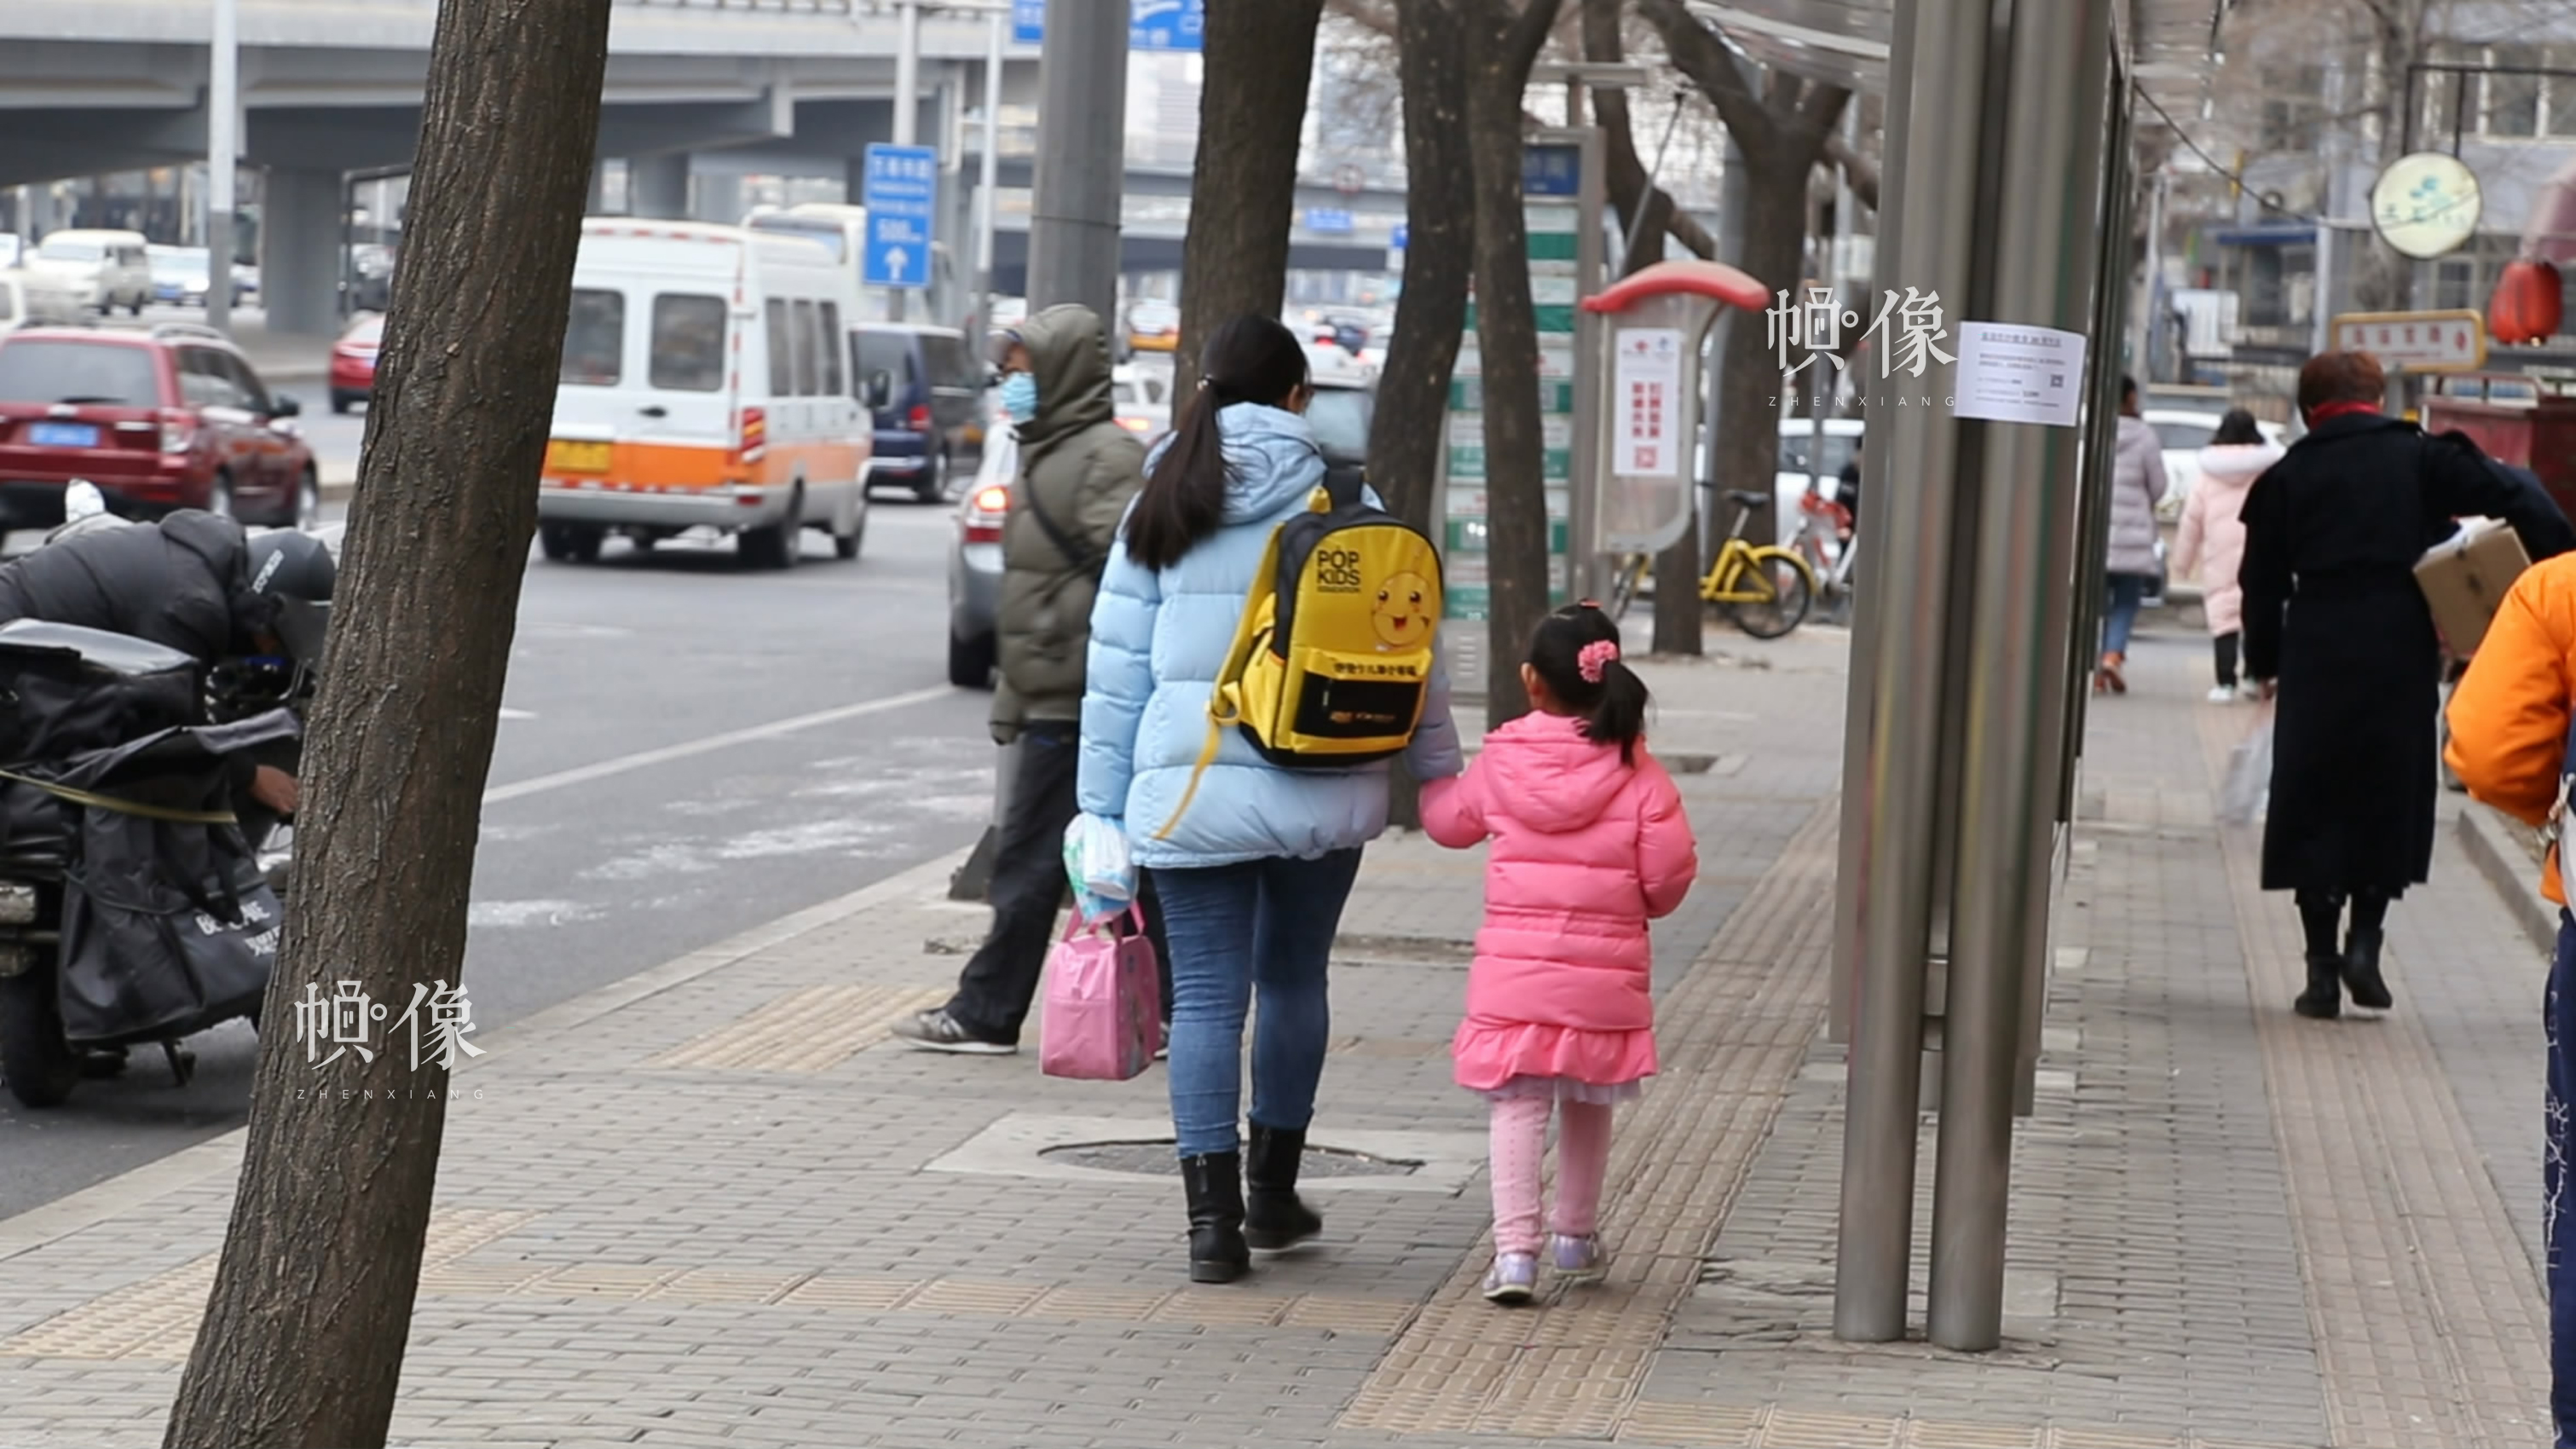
pixel 1154 1159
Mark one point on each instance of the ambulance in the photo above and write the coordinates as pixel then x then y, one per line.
pixel 707 384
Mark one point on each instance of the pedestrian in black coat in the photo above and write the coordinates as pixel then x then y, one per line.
pixel 2336 622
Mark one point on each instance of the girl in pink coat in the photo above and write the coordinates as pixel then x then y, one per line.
pixel 2212 537
pixel 1590 843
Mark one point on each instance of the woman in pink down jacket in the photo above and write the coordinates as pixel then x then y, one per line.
pixel 1590 844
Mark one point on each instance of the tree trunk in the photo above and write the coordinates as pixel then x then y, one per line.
pixel 1747 449
pixel 302 1343
pixel 1516 524
pixel 1409 433
pixel 1243 186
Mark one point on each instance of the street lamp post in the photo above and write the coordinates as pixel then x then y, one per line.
pixel 989 173
pixel 223 147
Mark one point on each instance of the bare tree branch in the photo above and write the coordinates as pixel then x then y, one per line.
pixel 1529 34
pixel 1857 169
pixel 1701 56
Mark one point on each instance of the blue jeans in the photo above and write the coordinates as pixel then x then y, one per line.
pixel 2558 1024
pixel 1263 927
pixel 2127 592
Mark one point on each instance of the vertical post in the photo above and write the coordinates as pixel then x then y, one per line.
pixel 1082 155
pixel 2142 328
pixel 1734 191
pixel 2101 438
pixel 989 168
pixel 1944 127
pixel 2059 57
pixel 1870 599
pixel 2321 326
pixel 907 114
pixel 223 153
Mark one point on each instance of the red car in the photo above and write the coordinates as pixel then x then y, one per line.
pixel 353 363
pixel 160 420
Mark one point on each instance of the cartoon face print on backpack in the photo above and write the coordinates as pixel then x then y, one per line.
pixel 1401 614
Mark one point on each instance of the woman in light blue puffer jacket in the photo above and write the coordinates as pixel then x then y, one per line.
pixel 1253 875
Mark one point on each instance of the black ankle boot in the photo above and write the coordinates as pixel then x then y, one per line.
pixel 2361 971
pixel 2323 1000
pixel 1214 1184
pixel 1273 1217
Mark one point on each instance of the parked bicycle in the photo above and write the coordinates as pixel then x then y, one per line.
pixel 1766 589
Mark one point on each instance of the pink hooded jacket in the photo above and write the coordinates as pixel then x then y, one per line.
pixel 2211 540
pixel 1586 851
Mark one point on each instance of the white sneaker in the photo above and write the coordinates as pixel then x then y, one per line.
pixel 2223 694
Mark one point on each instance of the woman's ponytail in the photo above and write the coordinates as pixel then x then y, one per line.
pixel 1248 359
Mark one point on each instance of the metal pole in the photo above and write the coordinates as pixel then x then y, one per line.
pixel 989 169
pixel 2041 244
pixel 1733 199
pixel 1082 156
pixel 2101 442
pixel 1870 598
pixel 1945 125
pixel 2142 328
pixel 223 151
pixel 907 115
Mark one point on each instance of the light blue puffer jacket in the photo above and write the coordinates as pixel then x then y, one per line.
pixel 1157 642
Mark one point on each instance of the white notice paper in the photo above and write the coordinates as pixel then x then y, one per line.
pixel 1645 405
pixel 2014 374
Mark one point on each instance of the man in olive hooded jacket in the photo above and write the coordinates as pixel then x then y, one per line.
pixel 1078 471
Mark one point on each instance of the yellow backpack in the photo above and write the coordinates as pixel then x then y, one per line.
pixel 1331 664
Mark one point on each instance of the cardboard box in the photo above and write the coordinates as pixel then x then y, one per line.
pixel 2464 579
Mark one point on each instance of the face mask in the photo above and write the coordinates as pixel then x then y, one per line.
pixel 1020 397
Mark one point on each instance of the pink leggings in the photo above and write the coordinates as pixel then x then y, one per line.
pixel 1582 1160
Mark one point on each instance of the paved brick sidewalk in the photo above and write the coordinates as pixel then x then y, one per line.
pixel 714 1206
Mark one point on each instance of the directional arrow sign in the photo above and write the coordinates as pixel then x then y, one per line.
pixel 901 193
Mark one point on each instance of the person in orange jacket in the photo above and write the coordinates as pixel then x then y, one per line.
pixel 2509 719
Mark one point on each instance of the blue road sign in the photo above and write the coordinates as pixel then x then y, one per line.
pixel 1167 25
pixel 1329 220
pixel 1403 234
pixel 1028 22
pixel 1552 170
pixel 901 193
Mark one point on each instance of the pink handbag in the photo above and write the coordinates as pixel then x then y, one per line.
pixel 1102 1004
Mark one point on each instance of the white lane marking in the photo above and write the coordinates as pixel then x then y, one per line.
pixel 584 774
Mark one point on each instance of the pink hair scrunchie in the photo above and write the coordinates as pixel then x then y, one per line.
pixel 1590 661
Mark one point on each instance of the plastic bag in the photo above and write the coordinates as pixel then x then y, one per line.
pixel 2248 792
pixel 1097 862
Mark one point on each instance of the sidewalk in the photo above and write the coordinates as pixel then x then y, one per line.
pixel 714 1206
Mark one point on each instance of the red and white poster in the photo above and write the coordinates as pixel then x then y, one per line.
pixel 1646 402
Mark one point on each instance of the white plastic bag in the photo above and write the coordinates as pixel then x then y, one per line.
pixel 1097 862
pixel 2248 791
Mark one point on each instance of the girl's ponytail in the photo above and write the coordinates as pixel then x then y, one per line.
pixel 1576 653
pixel 1620 716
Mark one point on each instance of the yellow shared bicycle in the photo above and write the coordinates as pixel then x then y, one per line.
pixel 1764 588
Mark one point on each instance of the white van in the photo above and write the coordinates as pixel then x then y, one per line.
pixel 704 385
pixel 106 269
pixel 33 299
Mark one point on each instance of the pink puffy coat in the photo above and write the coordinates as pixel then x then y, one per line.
pixel 1587 850
pixel 2211 540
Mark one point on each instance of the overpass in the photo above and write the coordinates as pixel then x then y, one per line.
pixel 710 89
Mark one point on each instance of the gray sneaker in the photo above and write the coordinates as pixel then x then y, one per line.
pixel 936 1031
pixel 1578 1260
pixel 1512 1279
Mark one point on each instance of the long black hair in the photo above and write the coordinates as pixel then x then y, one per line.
pixel 1249 359
pixel 1568 653
pixel 2236 429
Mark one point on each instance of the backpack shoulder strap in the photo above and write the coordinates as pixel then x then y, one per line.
pixel 1344 485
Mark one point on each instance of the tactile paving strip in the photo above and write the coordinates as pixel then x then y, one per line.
pixel 1708 1426
pixel 1736 1030
pixel 157 1317
pixel 813 1030
pixel 1231 1307
pixel 2428 1320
